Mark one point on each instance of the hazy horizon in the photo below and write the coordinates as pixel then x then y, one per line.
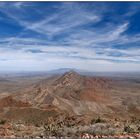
pixel 67 70
pixel 90 36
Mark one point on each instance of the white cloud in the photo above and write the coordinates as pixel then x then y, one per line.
pixel 81 47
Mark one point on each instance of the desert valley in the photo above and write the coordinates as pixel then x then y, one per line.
pixel 69 69
pixel 69 104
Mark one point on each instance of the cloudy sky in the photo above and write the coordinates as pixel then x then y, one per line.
pixel 93 36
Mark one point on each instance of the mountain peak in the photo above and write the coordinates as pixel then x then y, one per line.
pixel 71 73
pixel 69 78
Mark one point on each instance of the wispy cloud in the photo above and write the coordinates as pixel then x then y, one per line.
pixel 69 36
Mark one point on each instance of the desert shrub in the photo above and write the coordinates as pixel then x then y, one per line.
pixel 2 122
pixel 97 129
pixel 97 120
pixel 54 128
pixel 104 132
pixel 69 121
pixel 37 125
pixel 139 128
pixel 128 129
pixel 133 119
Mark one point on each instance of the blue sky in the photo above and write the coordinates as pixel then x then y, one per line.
pixel 93 36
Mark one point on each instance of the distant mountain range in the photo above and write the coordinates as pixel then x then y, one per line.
pixel 63 70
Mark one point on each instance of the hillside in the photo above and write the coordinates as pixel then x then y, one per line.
pixel 77 94
pixel 72 101
pixel 70 92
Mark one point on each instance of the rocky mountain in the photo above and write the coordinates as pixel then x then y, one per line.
pixel 70 93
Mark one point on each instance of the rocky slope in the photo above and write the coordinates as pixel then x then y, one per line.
pixel 71 93
pixel 72 106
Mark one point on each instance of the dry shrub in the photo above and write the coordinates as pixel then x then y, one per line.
pixel 128 129
pixel 2 122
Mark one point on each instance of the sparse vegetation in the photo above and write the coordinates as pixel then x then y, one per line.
pixel 139 128
pixel 2 122
pixel 128 129
pixel 97 120
pixel 56 116
pixel 53 128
